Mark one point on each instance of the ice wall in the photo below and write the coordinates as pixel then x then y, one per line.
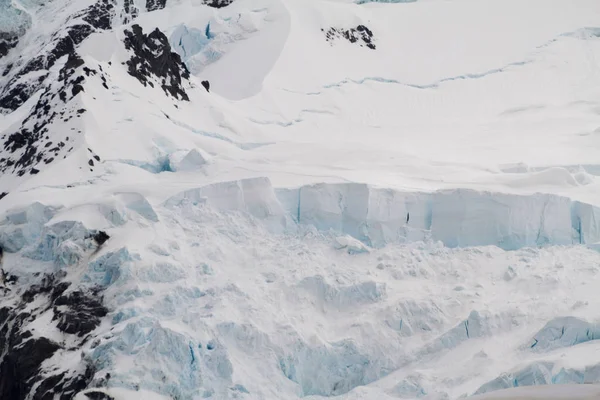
pixel 458 218
pixel 468 218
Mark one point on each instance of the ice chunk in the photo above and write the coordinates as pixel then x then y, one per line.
pixel 138 203
pixel 564 332
pixel 23 226
pixel 353 246
pixel 566 376
pixel 478 324
pixel 510 274
pixel 188 42
pixel 162 360
pixel 583 177
pixel 331 369
pixel 192 160
pixel 111 267
pixel 112 213
pixel 156 166
pixel 342 298
pixel 410 316
pixel 125 314
pixel 50 246
pixel 409 388
pixel 254 196
pixel 12 239
pixel 68 253
pixel 538 373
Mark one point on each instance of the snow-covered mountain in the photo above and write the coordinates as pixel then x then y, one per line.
pixel 285 199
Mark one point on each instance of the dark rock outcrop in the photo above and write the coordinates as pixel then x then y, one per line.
pixel 16 92
pixel 101 237
pixel 218 3
pixel 7 42
pixel 360 35
pixel 154 62
pixel 79 313
pixel 152 5
pixel 27 147
pixel 22 353
pixel 206 85
pixel 95 395
pixel 22 363
pixel 100 14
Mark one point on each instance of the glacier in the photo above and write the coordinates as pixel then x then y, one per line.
pixel 218 199
pixel 168 321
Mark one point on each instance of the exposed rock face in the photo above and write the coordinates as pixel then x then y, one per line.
pixel 30 145
pixel 94 395
pixel 218 3
pixel 100 14
pixel 154 62
pixel 24 350
pixel 152 5
pixel 27 148
pixel 360 35
pixel 79 313
pixel 7 42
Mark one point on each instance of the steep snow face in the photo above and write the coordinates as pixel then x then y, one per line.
pixel 266 199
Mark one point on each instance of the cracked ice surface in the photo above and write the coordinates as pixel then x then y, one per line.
pixel 180 327
pixel 307 316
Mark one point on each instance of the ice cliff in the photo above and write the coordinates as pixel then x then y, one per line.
pixel 458 218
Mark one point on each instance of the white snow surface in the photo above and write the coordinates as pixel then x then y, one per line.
pixel 420 220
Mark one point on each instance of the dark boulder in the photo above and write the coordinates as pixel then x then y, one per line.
pixel 101 237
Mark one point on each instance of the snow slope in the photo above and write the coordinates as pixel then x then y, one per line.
pixel 266 199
